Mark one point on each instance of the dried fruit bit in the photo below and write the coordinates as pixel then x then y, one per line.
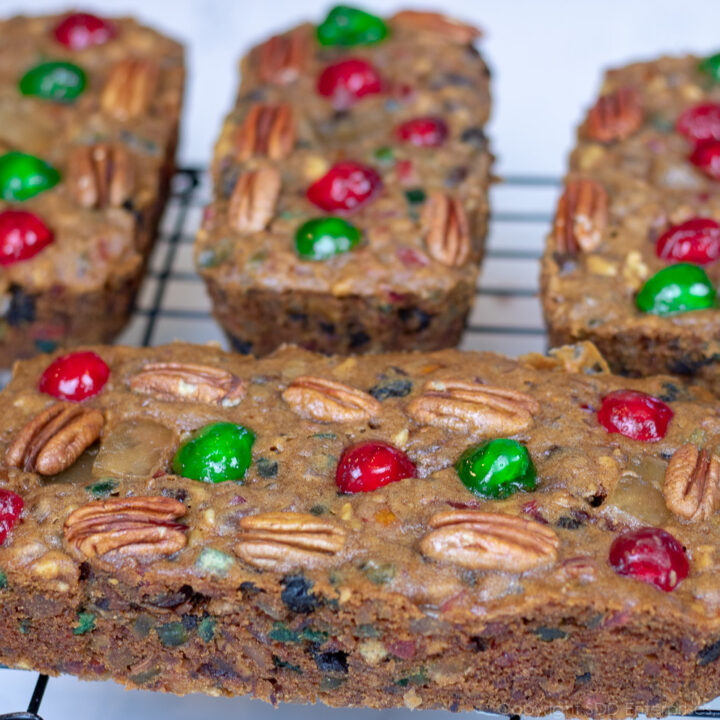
pixel 214 562
pixel 397 387
pixel 635 414
pixel 711 66
pixel 428 131
pixel 700 122
pixel 370 465
pixel 23 176
pixel 215 453
pixel 206 629
pixel 11 506
pixel 56 80
pixel 692 483
pixel 348 81
pixel 651 555
pixel 103 488
pixel 85 623
pixel 378 573
pixel 696 240
pixel 82 30
pixel 345 187
pixel 330 401
pixel 296 594
pixel 75 376
pixel 22 236
pixel 615 116
pixel 677 289
pixel 489 541
pixel 323 238
pixel 497 469
pixel 172 634
pixel 348 26
pixel 3 581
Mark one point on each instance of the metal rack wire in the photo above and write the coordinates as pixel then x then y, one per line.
pixel 506 317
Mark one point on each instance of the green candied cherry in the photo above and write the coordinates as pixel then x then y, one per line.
pixel 23 176
pixel 215 453
pixel 711 66
pixel 496 469
pixel 322 238
pixel 679 288
pixel 348 26
pixel 56 80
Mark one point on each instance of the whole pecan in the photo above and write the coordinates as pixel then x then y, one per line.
pixel 490 541
pixel 268 131
pixel 330 401
pixel 140 527
pixel 447 235
pixel 473 407
pixel 285 540
pixel 418 20
pixel 189 382
pixel 615 116
pixel 281 59
pixel 100 175
pixel 130 88
pixel 581 216
pixel 254 198
pixel 692 483
pixel 54 439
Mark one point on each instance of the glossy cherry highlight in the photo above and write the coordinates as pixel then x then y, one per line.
pixel 700 122
pixel 706 157
pixel 82 30
pixel 345 187
pixel 423 131
pixel 11 506
pixel 76 376
pixel 635 414
pixel 651 555
pixel 348 81
pixel 369 465
pixel 22 236
pixel 696 240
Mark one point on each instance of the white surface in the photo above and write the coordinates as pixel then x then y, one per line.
pixel 546 56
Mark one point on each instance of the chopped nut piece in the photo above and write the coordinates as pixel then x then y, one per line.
pixel 254 198
pixel 581 216
pixel 281 59
pixel 615 116
pixel 100 175
pixel 447 235
pixel 420 21
pixel 130 88
pixel 692 483
pixel 330 401
pixel 267 131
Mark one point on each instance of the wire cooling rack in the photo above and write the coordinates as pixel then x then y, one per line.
pixel 173 305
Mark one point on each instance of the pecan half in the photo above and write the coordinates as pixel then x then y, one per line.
pixel 100 175
pixel 141 527
pixel 254 198
pixel 692 483
pixel 418 20
pixel 189 382
pixel 329 401
pixel 54 439
pixel 284 540
pixel 268 131
pixel 472 407
pixel 447 234
pixel 490 541
pixel 130 88
pixel 281 59
pixel 615 116
pixel 581 216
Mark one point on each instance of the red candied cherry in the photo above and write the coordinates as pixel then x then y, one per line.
pixel 11 506
pixel 75 376
pixel 347 81
pixel 652 555
pixel 706 157
pixel 696 240
pixel 22 235
pixel 81 30
pixel 423 131
pixel 368 466
pixel 635 415
pixel 700 123
pixel 345 187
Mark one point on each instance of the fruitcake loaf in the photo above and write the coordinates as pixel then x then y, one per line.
pixel 443 530
pixel 89 111
pixel 351 177
pixel 631 263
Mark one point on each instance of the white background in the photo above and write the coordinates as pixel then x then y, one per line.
pixel 546 58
